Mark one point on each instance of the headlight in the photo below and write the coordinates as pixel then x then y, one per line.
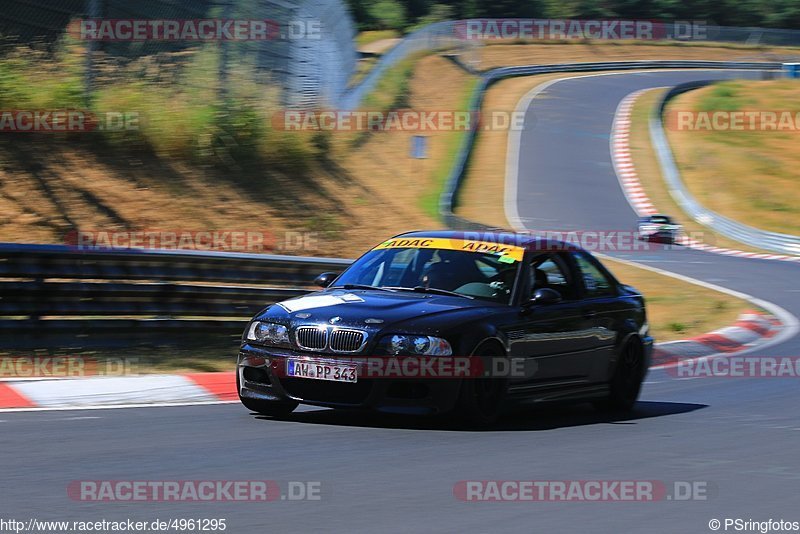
pixel 409 344
pixel 268 333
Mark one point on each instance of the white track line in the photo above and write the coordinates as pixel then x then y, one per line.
pixel 513 147
pixel 115 406
pixel 619 145
pixel 791 325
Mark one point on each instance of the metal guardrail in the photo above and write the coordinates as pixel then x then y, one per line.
pixel 448 199
pixel 772 241
pixel 311 60
pixel 447 34
pixel 431 37
pixel 122 290
pixel 67 287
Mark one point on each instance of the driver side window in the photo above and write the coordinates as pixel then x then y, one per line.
pixel 594 281
pixel 551 272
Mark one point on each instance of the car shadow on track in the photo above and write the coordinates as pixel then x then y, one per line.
pixel 540 418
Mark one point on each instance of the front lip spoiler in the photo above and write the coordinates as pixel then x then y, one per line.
pixel 442 395
pixel 373 402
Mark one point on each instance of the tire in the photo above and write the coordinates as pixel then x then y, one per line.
pixel 269 408
pixel 480 399
pixel 626 383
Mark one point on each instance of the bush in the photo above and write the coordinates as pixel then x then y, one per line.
pixel 33 79
pixel 388 14
pixel 181 111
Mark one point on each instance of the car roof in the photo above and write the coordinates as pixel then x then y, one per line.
pixel 527 241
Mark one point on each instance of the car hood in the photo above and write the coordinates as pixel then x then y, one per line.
pixel 660 226
pixel 373 309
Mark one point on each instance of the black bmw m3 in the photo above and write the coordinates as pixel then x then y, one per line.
pixel 434 322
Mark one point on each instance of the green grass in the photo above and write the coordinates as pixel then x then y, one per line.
pixel 430 200
pixel 363 67
pixel 725 96
pixel 678 328
pixel 392 90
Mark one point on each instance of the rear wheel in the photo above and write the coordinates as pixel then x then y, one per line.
pixel 626 383
pixel 263 407
pixel 481 399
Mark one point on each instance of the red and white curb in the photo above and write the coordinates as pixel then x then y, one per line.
pixel 214 388
pixel 143 390
pixel 635 193
pixel 751 329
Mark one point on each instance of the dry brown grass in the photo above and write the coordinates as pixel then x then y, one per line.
pixel 677 309
pixel 481 198
pixel 111 195
pixel 368 191
pixel 750 176
pixel 649 172
pixel 362 195
pixel 492 56
pixel 383 165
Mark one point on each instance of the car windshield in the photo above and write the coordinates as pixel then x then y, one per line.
pixel 487 276
pixel 660 219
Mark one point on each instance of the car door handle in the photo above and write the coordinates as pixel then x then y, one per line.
pixel 589 314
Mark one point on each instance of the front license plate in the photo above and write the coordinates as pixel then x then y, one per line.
pixel 321 371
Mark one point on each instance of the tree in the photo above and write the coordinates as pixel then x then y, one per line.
pixel 388 14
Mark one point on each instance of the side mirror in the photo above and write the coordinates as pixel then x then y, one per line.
pixel 544 296
pixel 325 279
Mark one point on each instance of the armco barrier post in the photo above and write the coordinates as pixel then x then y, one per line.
pixel 791 70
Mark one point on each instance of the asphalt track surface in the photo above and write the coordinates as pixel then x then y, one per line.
pixel 381 474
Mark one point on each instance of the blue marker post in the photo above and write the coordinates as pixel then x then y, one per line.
pixel 419 147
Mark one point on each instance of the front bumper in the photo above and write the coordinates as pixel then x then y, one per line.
pixel 260 378
pixel 659 236
pixel 648 342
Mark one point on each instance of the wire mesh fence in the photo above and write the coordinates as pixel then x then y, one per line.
pixel 304 48
pixel 304 58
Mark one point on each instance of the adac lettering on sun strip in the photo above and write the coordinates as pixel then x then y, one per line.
pixel 511 252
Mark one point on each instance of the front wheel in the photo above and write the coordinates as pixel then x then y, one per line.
pixel 480 399
pixel 263 407
pixel 626 383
